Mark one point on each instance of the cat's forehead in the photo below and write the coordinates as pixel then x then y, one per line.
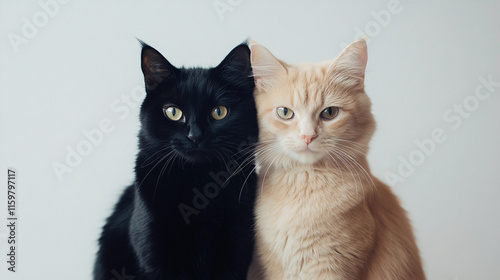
pixel 308 75
pixel 195 84
pixel 310 85
pixel 197 88
pixel 308 71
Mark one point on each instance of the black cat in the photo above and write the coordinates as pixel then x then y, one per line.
pixel 189 213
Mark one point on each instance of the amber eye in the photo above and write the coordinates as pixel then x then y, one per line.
pixel 219 112
pixel 173 113
pixel 284 113
pixel 330 113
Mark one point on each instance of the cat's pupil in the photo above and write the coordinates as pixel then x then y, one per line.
pixel 285 111
pixel 330 111
pixel 174 111
pixel 217 111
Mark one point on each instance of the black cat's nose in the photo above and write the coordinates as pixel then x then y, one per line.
pixel 194 138
pixel 194 134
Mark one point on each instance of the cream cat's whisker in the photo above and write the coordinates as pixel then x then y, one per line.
pixel 267 170
pixel 334 142
pixel 247 161
pixel 265 152
pixel 257 145
pixel 355 150
pixel 351 169
pixel 355 168
pixel 333 156
pixel 352 142
pixel 245 182
pixel 367 175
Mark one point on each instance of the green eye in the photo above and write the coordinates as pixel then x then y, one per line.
pixel 173 113
pixel 330 113
pixel 284 113
pixel 219 112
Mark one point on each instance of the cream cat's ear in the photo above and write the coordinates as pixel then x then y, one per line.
pixel 350 65
pixel 266 68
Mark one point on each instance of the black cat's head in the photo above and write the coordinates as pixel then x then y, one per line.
pixel 198 114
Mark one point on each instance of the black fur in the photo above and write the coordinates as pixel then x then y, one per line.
pixel 185 217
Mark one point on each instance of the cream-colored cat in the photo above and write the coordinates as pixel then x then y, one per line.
pixel 320 214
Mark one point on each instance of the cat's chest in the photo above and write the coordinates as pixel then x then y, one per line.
pixel 288 202
pixel 301 217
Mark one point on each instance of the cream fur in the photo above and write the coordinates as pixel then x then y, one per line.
pixel 320 214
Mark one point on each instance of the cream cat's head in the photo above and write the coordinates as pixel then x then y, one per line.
pixel 312 113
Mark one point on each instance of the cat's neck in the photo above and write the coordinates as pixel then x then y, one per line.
pixel 327 175
pixel 345 187
pixel 337 166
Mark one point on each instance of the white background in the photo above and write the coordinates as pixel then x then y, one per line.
pixel 83 59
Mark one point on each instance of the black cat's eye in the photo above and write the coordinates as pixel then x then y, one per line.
pixel 219 112
pixel 173 113
pixel 284 113
pixel 330 113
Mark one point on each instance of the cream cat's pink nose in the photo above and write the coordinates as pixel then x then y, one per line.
pixel 308 138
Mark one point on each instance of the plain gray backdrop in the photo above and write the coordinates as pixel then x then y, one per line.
pixel 69 68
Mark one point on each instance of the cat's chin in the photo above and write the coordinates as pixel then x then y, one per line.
pixel 193 156
pixel 306 156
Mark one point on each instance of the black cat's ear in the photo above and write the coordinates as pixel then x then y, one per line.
pixel 235 68
pixel 155 67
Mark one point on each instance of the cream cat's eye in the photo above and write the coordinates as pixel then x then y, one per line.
pixel 173 113
pixel 330 113
pixel 219 112
pixel 284 113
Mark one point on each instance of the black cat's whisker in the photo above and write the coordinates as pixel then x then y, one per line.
pixel 154 156
pixel 172 162
pixel 230 147
pixel 221 157
pixel 155 146
pixel 152 168
pixel 162 171
pixel 228 153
